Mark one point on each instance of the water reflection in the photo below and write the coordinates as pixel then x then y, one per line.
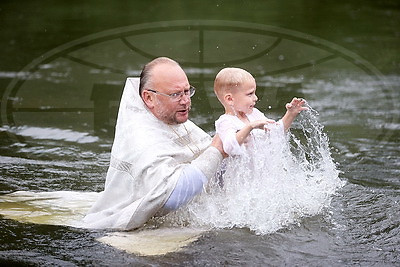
pixel 79 84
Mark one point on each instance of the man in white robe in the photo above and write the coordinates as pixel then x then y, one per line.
pixel 159 160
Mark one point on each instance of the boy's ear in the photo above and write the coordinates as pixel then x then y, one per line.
pixel 228 99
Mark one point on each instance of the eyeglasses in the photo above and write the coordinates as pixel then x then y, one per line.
pixel 177 96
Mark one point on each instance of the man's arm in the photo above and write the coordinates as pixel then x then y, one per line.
pixel 190 183
pixel 217 143
pixel 195 175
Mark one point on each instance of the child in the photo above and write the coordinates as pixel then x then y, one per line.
pixel 236 90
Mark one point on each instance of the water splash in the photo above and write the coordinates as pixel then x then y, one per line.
pixel 280 181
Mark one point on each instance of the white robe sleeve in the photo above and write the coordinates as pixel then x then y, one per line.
pixel 190 183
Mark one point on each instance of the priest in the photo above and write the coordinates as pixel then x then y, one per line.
pixel 159 159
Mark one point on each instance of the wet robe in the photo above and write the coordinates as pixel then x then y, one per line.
pixel 147 159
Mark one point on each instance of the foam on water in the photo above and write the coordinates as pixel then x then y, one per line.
pixel 279 182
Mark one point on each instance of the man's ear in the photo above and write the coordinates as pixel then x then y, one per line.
pixel 148 99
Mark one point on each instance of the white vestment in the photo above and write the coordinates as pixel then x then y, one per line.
pixel 147 159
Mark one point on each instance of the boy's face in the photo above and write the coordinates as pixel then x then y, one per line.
pixel 244 98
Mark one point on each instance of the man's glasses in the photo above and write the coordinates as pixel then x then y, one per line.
pixel 177 96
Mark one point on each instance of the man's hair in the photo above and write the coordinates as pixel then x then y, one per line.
pixel 146 74
pixel 228 79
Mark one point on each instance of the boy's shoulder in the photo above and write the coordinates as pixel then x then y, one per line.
pixel 226 121
pixel 225 117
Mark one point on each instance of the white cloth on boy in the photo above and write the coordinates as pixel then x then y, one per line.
pixel 227 126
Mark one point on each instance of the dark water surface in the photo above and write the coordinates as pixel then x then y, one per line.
pixel 51 141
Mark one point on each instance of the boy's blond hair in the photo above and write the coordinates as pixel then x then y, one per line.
pixel 229 79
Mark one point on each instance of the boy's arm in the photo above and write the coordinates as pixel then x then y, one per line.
pixel 292 110
pixel 243 133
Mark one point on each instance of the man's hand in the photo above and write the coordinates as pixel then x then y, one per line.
pixel 217 143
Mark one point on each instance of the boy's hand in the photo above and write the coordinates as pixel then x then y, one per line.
pixel 296 106
pixel 292 110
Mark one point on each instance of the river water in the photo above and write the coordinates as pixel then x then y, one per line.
pixel 54 136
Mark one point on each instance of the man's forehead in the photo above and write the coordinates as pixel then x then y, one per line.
pixel 166 66
pixel 171 74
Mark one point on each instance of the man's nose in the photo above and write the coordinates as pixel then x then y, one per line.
pixel 185 99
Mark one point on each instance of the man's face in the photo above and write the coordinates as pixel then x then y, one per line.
pixel 169 79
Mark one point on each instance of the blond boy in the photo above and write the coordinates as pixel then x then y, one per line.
pixel 236 90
